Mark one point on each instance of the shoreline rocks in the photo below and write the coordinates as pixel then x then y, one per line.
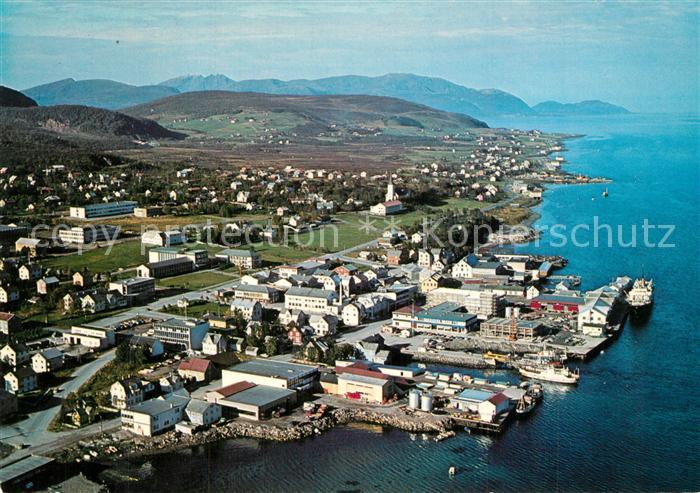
pixel 171 441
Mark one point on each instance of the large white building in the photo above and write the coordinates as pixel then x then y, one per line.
pixel 310 300
pixel 88 234
pixel 483 304
pixel 272 373
pixel 92 337
pixel 103 210
pixel 187 334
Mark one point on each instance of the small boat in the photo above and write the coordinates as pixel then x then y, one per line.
pixel 605 192
pixel 548 373
pixel 525 405
pixel 452 471
pixel 535 390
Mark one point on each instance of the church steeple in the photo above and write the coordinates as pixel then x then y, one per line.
pixel 390 193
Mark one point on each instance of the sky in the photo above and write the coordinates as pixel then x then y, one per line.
pixel 642 55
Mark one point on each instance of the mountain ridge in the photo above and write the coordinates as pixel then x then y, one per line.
pixel 99 93
pixel 309 110
pixel 11 98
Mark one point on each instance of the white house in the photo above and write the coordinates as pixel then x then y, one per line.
pixel 250 310
pixel 323 325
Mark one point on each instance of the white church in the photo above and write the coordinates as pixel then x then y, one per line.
pixel 391 204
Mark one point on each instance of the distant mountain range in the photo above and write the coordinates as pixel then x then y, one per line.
pixel 592 107
pixel 434 92
pixel 100 93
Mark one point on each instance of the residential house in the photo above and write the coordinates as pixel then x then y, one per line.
pixel 9 322
pixel 171 383
pixel 296 336
pixel 396 256
pixel 82 279
pixel 21 380
pixel 14 354
pixel 323 325
pixel 248 309
pixel 47 361
pixel 214 343
pixel 203 413
pixel 127 392
pixel 30 272
pixel 296 317
pixel 9 294
pixel 156 415
pixel 46 284
pixel 198 369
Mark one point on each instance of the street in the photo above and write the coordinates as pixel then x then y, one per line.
pixel 32 431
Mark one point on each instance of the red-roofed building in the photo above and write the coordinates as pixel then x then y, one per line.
pixel 8 322
pixel 493 406
pixel 228 391
pixel 386 208
pixel 198 369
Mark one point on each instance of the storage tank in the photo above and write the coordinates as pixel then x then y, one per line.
pixel 414 399
pixel 426 402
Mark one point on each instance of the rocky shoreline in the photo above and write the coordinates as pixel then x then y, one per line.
pixel 285 432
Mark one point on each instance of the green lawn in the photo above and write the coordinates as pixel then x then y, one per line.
pixel 196 280
pixel 199 309
pixel 61 319
pixel 122 255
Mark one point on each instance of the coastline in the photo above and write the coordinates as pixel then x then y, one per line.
pixel 285 429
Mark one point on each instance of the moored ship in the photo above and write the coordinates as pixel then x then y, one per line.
pixel 641 296
pixel 548 373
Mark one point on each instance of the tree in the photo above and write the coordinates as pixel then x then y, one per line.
pixel 271 346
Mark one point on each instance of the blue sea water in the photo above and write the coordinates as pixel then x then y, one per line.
pixel 630 425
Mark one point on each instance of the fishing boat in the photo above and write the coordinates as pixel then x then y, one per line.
pixel 525 405
pixel 549 373
pixel 533 389
pixel 641 296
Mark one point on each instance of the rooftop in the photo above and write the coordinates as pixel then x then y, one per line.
pixel 260 395
pixel 310 292
pixel 273 368
pixel 23 466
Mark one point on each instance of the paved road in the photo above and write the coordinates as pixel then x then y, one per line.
pixel 32 430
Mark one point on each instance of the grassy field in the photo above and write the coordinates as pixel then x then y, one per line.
pixel 61 319
pixel 196 280
pixel 159 222
pixel 122 255
pixel 198 310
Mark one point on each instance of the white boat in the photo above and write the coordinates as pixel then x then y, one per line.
pixel 642 293
pixel 549 373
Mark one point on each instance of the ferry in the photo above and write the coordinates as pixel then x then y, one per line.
pixel 641 295
pixel 548 373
